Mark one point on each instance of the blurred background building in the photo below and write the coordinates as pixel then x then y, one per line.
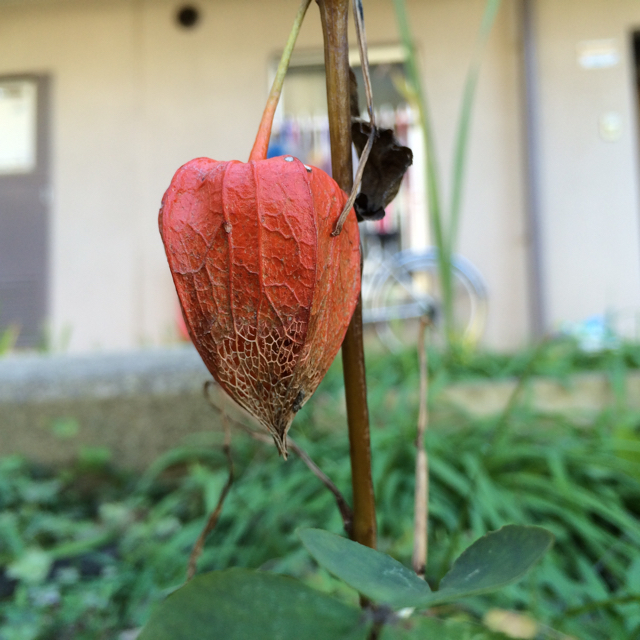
pixel 102 100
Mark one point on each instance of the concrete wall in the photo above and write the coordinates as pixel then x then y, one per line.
pixel 89 50
pixel 137 405
pixel 590 185
pixel 135 96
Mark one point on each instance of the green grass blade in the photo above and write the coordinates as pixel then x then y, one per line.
pixel 444 226
pixel 464 123
pixel 434 199
pixel 418 96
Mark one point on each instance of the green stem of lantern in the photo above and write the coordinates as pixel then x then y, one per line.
pixel 261 145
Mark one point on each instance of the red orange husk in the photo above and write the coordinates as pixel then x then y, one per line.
pixel 267 293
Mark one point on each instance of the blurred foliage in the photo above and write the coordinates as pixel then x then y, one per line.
pixel 87 550
pixel 8 338
pixel 557 357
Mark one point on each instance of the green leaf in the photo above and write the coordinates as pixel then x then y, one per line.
pixel 237 604
pixel 421 628
pixel 65 428
pixel 494 561
pixel 32 566
pixel 373 574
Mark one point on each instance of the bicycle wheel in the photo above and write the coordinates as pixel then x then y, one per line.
pixel 407 287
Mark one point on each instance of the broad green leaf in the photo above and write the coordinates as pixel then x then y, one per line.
pixel 238 604
pixel 373 574
pixel 32 566
pixel 422 628
pixel 494 561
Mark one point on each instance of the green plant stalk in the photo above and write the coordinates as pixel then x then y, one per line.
pixel 432 177
pixel 334 15
pixel 464 122
pixel 261 145
pixel 8 339
pixel 445 227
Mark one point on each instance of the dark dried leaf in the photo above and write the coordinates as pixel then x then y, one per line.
pixel 383 173
pixel 353 95
pixel 385 168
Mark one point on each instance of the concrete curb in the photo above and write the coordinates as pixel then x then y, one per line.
pixel 140 404
pixel 36 378
pixel 582 396
pixel 137 405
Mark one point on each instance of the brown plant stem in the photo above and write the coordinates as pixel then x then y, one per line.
pixel 421 508
pixel 364 61
pixel 196 552
pixel 334 15
pixel 343 506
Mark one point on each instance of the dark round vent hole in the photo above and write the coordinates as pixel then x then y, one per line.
pixel 188 16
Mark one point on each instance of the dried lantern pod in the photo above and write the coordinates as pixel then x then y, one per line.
pixel 266 291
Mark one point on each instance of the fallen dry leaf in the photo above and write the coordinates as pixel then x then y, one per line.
pixel 511 623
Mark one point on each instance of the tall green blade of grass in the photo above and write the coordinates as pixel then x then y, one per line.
pixel 419 98
pixel 445 226
pixel 464 123
pixel 432 178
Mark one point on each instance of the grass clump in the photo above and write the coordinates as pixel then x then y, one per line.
pixel 87 550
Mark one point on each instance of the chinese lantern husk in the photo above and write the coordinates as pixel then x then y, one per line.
pixel 267 293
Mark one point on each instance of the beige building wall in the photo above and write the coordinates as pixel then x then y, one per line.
pixel 88 51
pixel 134 97
pixel 591 237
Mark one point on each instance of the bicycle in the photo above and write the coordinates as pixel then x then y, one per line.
pixel 400 288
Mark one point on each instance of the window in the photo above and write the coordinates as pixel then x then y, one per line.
pixel 301 129
pixel 18 100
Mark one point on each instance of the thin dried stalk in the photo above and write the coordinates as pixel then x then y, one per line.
pixel 215 516
pixel 421 508
pixel 358 15
pixel 364 61
pixel 343 506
